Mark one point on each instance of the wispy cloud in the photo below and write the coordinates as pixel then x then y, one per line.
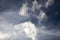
pixel 48 32
pixel 23 10
pixel 36 5
pixel 42 15
pixel 49 3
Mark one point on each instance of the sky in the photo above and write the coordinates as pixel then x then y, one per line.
pixel 29 19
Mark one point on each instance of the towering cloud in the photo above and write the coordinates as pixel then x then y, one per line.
pixel 29 28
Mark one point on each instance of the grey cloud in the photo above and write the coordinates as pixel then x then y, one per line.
pixel 12 17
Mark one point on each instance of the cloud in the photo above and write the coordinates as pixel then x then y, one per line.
pixel 23 10
pixel 42 16
pixel 25 30
pixel 11 17
pixel 49 3
pixel 4 35
pixel 36 5
pixel 7 32
pixel 53 32
pixel 7 27
pixel 29 28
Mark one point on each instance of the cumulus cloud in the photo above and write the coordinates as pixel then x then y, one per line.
pixel 29 28
pixel 7 32
pixel 49 3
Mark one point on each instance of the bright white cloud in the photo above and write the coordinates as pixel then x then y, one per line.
pixel 23 10
pixel 4 35
pixel 49 2
pixel 29 28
